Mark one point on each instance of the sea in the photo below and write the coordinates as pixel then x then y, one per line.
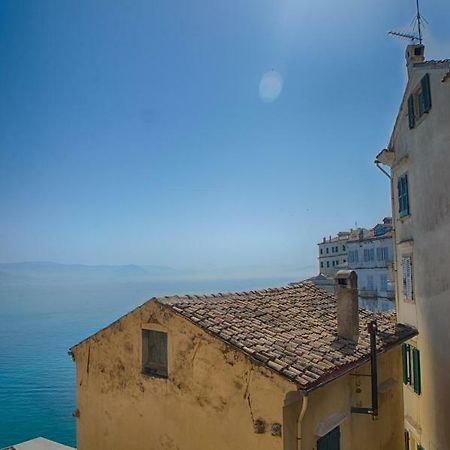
pixel 40 322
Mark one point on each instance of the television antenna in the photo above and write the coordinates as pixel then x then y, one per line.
pixel 416 23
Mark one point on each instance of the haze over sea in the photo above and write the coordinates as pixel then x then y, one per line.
pixel 46 308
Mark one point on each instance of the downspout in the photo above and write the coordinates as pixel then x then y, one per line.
pixel 300 419
pixel 394 235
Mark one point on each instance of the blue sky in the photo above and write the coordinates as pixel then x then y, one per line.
pixel 134 131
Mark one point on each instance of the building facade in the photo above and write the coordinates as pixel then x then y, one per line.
pixel 264 370
pixel 370 255
pixel 418 155
pixel 333 253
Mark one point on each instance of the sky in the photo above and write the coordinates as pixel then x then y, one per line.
pixel 197 134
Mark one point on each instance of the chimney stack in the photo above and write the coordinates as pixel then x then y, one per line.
pixel 346 284
pixel 415 53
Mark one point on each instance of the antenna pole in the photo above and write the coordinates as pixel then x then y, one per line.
pixel 419 20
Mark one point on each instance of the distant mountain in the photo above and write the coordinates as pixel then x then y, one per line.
pixel 49 272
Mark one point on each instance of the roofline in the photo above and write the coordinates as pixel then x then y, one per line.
pixel 341 371
pixel 347 369
pixel 157 300
pixel 431 65
pixel 70 351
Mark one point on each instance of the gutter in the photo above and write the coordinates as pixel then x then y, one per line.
pixel 300 420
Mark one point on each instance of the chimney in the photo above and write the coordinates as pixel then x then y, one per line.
pixel 415 53
pixel 346 284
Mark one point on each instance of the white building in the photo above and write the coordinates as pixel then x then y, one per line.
pixel 370 255
pixel 333 253
pixel 419 157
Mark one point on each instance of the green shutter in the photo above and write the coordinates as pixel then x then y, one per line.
pixel 411 116
pixel 405 360
pixel 416 370
pixel 405 193
pixel 426 93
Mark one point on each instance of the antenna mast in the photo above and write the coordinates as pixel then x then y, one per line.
pixel 414 37
pixel 419 22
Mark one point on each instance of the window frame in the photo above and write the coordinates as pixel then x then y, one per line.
pixel 404 209
pixel 154 368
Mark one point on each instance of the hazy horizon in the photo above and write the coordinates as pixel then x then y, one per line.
pixel 201 135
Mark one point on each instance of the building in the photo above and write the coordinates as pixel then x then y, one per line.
pixel 370 255
pixel 419 158
pixel 333 253
pixel 270 369
pixel 39 443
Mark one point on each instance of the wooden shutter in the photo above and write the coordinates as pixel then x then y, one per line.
pixel 405 194
pixel 426 93
pixel 411 115
pixel 416 370
pixel 407 278
pixel 405 361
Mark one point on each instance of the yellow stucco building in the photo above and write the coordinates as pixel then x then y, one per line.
pixel 261 370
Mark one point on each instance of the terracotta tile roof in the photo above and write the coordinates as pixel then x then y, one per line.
pixel 291 329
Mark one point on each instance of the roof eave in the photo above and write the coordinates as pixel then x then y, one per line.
pixel 347 369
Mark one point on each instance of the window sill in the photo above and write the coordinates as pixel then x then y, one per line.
pixel 153 374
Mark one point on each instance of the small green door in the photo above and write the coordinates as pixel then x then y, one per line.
pixel 331 441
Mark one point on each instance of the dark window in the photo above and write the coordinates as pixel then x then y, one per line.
pixel 154 353
pixel 328 249
pixel 343 248
pixel 403 197
pixel 321 250
pixel 328 263
pixel 321 264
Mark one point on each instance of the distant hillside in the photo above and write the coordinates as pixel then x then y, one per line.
pixel 49 272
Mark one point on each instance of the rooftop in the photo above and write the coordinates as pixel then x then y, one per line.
pixel 292 330
pixel 39 443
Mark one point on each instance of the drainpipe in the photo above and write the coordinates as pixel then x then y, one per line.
pixel 394 234
pixel 300 419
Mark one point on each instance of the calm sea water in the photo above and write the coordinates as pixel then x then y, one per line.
pixel 38 324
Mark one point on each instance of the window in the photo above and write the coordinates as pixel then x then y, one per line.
pixel 321 265
pixel 370 282
pixel 154 353
pixel 383 282
pixel 410 442
pixel 343 248
pixel 353 256
pixel 328 263
pixel 369 254
pixel 411 367
pixel 321 251
pixel 331 441
pixel 419 101
pixel 328 250
pixel 403 197
pixel 382 253
pixel 407 281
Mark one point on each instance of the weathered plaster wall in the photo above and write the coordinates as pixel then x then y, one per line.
pixel 210 401
pixel 424 153
pixel 360 431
